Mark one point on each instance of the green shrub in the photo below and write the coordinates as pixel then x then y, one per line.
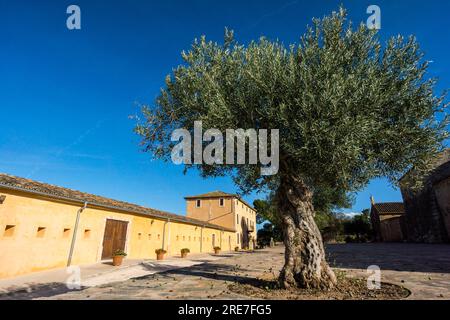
pixel 119 252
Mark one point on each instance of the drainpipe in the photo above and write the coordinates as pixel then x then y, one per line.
pixel 164 235
pixel 201 239
pixel 75 231
pixel 168 236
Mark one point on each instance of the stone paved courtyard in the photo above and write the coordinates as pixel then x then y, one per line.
pixel 423 269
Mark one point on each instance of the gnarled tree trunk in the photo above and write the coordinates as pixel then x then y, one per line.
pixel 305 265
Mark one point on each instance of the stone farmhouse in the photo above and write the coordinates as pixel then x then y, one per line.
pixel 424 215
pixel 43 226
pixel 387 221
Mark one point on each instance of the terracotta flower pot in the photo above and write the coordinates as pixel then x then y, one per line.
pixel 117 260
pixel 184 254
pixel 160 256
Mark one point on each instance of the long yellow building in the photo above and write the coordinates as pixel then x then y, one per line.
pixel 44 226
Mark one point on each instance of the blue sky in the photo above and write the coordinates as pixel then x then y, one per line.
pixel 65 96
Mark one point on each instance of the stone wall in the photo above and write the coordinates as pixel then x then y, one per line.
pixel 391 230
pixel 387 227
pixel 427 210
pixel 442 193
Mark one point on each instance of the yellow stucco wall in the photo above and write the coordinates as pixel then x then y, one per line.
pixel 245 216
pixel 210 210
pixel 23 249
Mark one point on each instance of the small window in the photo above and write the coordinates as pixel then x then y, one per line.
pixel 139 236
pixel 178 238
pixel 9 230
pixel 159 236
pixel 221 202
pixel 66 232
pixel 237 237
pixel 40 232
pixel 149 236
pixel 184 238
pixel 237 219
pixel 189 238
pixel 87 233
pixel 198 203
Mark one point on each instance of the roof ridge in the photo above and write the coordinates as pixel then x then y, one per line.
pixel 66 188
pixel 28 185
pixel 390 207
pixel 390 202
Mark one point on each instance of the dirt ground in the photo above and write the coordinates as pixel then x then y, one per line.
pixel 348 288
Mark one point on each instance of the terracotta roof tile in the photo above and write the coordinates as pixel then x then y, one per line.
pixel 27 185
pixel 213 194
pixel 390 208
pixel 219 194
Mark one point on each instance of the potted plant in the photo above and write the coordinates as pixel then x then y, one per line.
pixel 160 254
pixel 236 249
pixel 216 250
pixel 184 252
pixel 118 256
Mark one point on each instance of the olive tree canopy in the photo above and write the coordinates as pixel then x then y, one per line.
pixel 348 109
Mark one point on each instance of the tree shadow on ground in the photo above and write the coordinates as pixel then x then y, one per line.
pixel 214 271
pixel 410 257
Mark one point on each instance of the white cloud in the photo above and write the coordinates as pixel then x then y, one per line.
pixel 350 214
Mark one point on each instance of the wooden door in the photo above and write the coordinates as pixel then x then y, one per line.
pixel 114 237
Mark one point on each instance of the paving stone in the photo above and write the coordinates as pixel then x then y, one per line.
pixel 423 269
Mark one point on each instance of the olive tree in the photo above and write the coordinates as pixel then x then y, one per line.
pixel 348 109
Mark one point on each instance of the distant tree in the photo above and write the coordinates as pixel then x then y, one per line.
pixel 268 232
pixel 325 200
pixel 267 211
pixel 348 110
pixel 331 226
pixel 360 226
